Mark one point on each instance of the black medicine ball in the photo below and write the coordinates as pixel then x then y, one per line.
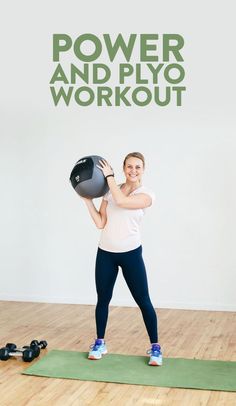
pixel 87 179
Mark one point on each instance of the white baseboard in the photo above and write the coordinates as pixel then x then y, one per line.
pixel 125 303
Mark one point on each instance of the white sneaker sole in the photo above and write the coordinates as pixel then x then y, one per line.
pixel 156 363
pixel 96 358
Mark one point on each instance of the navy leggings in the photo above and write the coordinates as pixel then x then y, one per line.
pixel 133 268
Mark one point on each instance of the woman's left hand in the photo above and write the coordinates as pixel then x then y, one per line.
pixel 105 168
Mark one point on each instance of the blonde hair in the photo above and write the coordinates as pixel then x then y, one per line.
pixel 135 155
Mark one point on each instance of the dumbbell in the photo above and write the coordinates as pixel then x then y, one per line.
pixel 38 345
pixel 11 350
pixel 28 352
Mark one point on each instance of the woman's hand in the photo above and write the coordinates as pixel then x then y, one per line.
pixel 105 168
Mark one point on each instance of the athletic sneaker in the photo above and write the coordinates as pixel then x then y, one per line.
pixel 98 349
pixel 155 355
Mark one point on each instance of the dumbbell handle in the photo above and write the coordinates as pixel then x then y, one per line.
pixel 38 345
pixel 18 353
pixel 22 349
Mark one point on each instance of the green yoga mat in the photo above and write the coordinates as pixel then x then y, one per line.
pixel 131 369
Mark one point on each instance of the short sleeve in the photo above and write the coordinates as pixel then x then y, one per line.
pixel 151 194
pixel 147 192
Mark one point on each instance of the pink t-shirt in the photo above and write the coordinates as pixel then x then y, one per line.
pixel 122 230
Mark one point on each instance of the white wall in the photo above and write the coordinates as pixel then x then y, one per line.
pixel 48 242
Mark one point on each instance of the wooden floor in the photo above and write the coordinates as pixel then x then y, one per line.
pixel 183 333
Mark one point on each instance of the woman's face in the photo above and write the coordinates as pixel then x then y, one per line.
pixel 133 169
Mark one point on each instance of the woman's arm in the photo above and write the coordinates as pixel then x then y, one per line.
pixel 137 201
pixel 99 216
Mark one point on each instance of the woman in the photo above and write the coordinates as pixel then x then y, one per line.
pixel 119 216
